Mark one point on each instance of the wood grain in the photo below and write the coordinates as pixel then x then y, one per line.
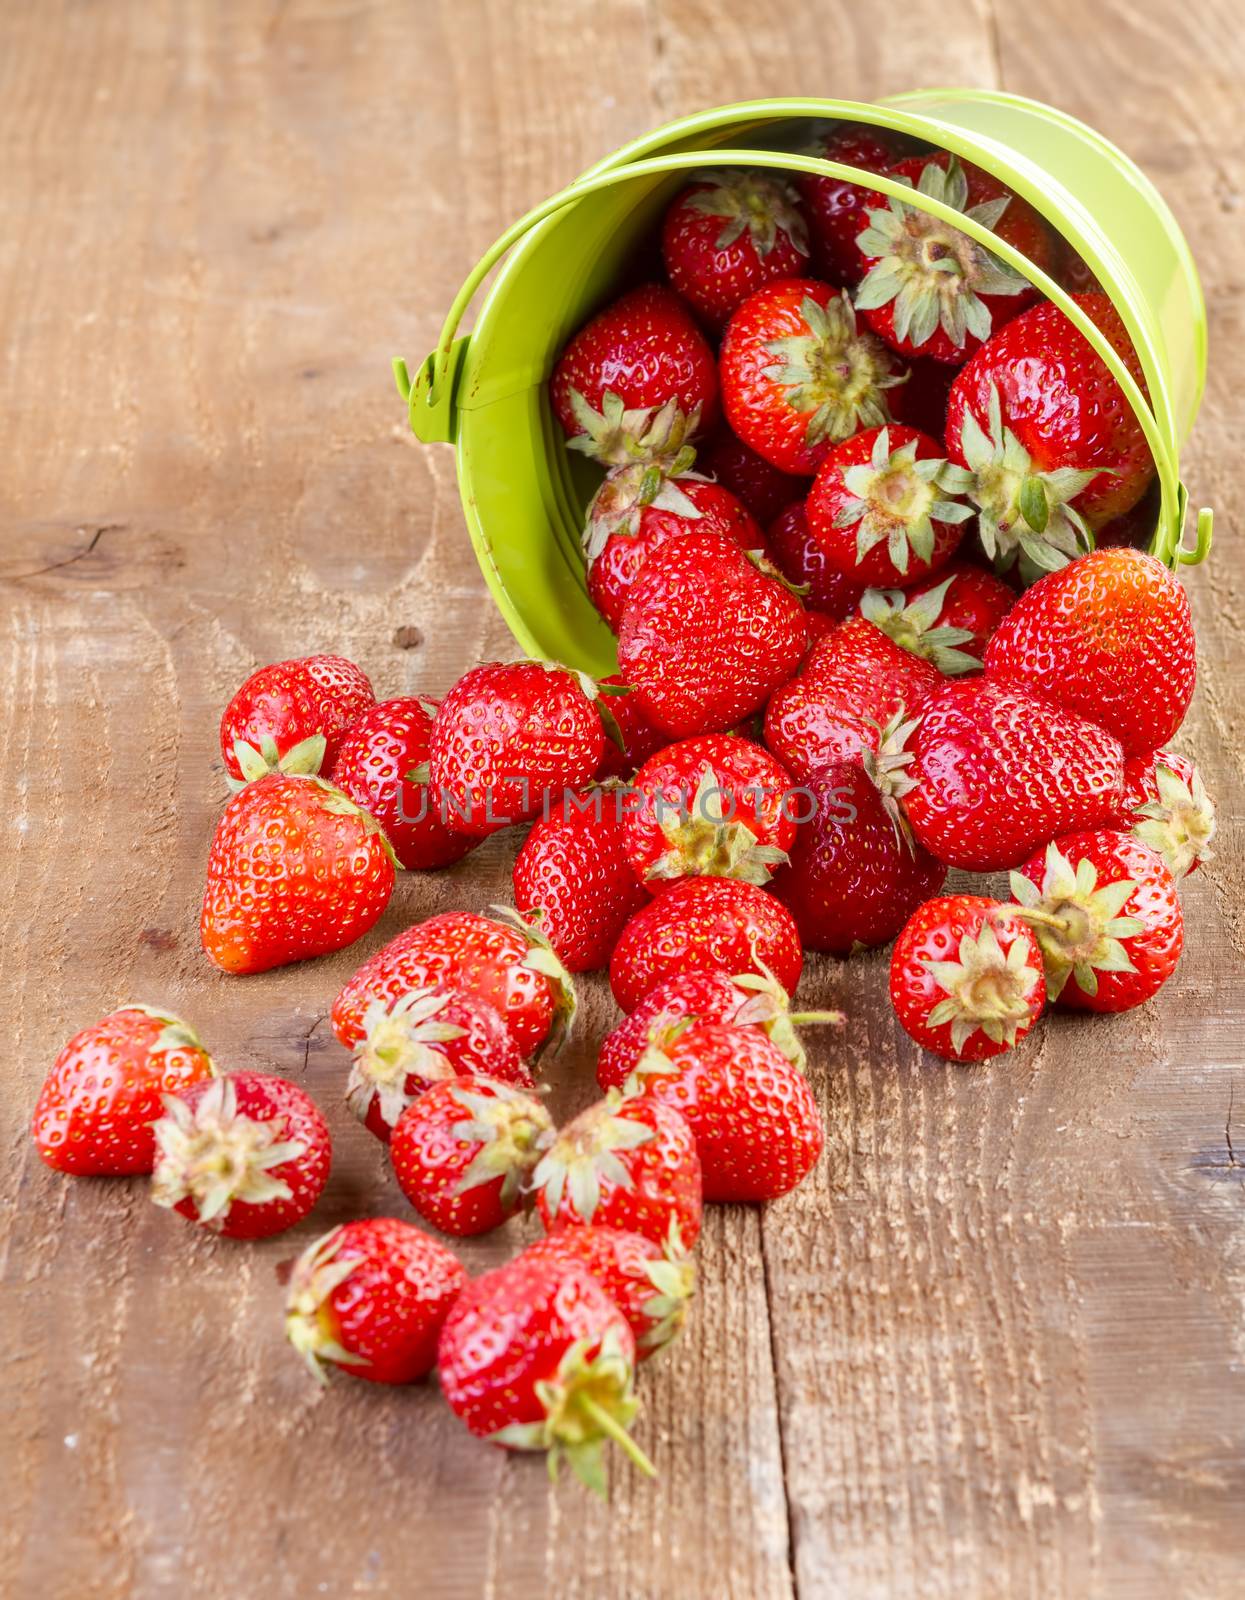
pixel 994 1347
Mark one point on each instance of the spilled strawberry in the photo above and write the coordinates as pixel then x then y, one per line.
pixel 1166 806
pixel 290 717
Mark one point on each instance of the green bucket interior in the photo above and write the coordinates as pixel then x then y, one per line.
pixel 524 493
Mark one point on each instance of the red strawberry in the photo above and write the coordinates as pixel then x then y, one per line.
pixel 1106 913
pixel 506 735
pixel 999 771
pixel 376 758
pixel 636 511
pixel 246 1154
pixel 639 737
pixel 854 682
pixel 879 508
pixel 423 1037
pixel 757 1127
pixel 922 402
pixel 728 235
pixel 1109 637
pixel 103 1092
pixel 536 1356
pixel 705 924
pixel 856 874
pixel 296 870
pixel 836 209
pixel 750 1000
pixel 763 488
pixel 622 1164
pixel 802 560
pixel 502 962
pixel 800 372
pixel 290 716
pixel 645 349
pixel 370 1298
pixel 929 289
pixel 464 1150
pixel 716 806
pixel 1166 806
pixel 1052 446
pixel 966 977
pixel 947 619
pixel 573 872
pixel 652 1285
pixel 706 636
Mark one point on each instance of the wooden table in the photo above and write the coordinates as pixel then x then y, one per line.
pixel 994 1347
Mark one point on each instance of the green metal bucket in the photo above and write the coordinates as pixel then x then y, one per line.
pixel 524 493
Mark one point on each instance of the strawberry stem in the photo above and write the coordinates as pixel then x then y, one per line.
pixel 615 1431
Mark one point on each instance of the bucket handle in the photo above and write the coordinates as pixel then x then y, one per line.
pixel 429 396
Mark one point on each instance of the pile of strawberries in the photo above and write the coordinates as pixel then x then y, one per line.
pixel 810 725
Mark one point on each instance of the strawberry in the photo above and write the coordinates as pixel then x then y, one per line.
pixel 922 402
pixel 802 560
pixel 705 925
pixel 370 1298
pixel 651 1284
pixel 1106 913
pixel 633 737
pixel 1166 806
pixel 636 510
pixel 751 1000
pixel 856 874
pixel 729 234
pixel 376 759
pixel 574 874
pixel 536 1356
pixel 966 977
pixel 836 209
pixel 1109 637
pixel 800 371
pixel 757 1127
pixel 707 636
pixel 929 289
pixel 418 1040
pixel 103 1092
pixel 506 735
pixel 643 350
pixel 464 1150
pixel 622 1164
pixel 947 619
pixel 1052 446
pixel 853 683
pixel 763 488
pixel 296 870
pixel 715 806
pixel 290 716
pixel 246 1154
pixel 880 509
pixel 999 771
pixel 500 960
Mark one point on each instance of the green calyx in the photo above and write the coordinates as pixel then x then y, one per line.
pixel 984 989
pixel 512 1130
pixel 754 203
pixel 673 1277
pixel 302 760
pixel 590 1401
pixel 1024 514
pixel 309 1322
pixel 1076 921
pixel 587 1154
pixel 913 624
pixel 836 374
pixel 887 769
pixel 215 1155
pixel 644 436
pixel 896 499
pixel 768 1006
pixel 628 492
pixel 705 841
pixel 541 957
pixel 399 1042
pixel 1180 823
pixel 932 273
